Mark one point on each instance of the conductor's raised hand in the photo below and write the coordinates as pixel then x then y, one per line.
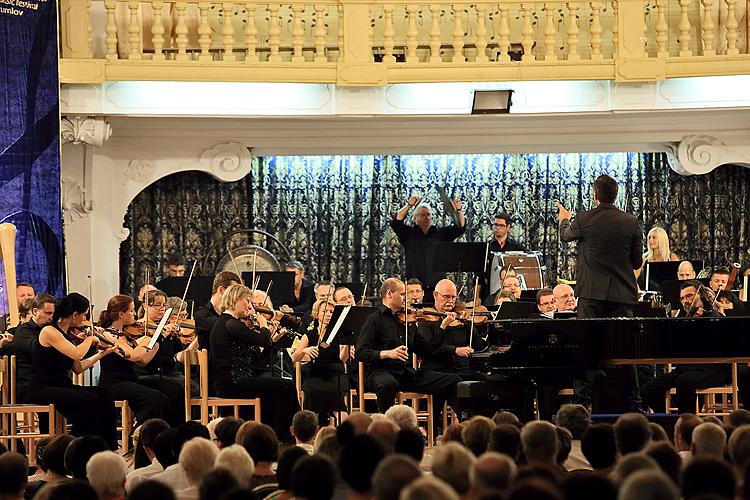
pixel 563 213
pixel 457 205
pixel 414 200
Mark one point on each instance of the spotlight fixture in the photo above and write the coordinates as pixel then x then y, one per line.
pixel 491 102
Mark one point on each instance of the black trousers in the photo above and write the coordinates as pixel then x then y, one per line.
pixel 590 388
pixel 278 398
pixel 89 410
pixel 174 390
pixel 686 379
pixel 145 402
pixel 387 384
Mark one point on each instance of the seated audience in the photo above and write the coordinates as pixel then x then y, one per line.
pixel 238 462
pixel 648 485
pixel 149 431
pixel 683 434
pixel 358 458
pixel 739 417
pixel 539 443
pixel 534 488
pixel 564 439
pixel 657 432
pixel 78 453
pixel 403 415
pixel 708 476
pixel 151 490
pixel 428 487
pixel 585 485
pixel 392 475
pixel 667 457
pixel 632 433
pixel 287 460
pixel 739 449
pixel 709 440
pixel 599 447
pixel 53 463
pixel 410 442
pixel 14 472
pixel 506 438
pixel 217 483
pixel 226 431
pixel 174 474
pixel 261 443
pixel 313 478
pixel 106 472
pixel 476 434
pixel 576 419
pixel 492 473
pixel 197 458
pixel 452 463
pixel 304 428
pixel 633 462
pixel 506 417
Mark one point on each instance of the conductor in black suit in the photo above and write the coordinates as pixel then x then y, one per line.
pixel 610 246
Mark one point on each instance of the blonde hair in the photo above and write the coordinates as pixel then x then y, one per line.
pixel 665 254
pixel 320 303
pixel 232 295
pixel 238 462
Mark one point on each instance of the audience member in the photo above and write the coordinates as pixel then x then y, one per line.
pixel 491 472
pixel 585 485
pixel 287 460
pixel 14 471
pixel 392 475
pixel 564 439
pixel 708 475
pixel 174 475
pixel 75 489
pixel 667 457
pixel 539 443
pixel 631 463
pixel 648 485
pixel 384 430
pixel 452 463
pixel 709 440
pixel 631 433
pixel 106 472
pixel 739 417
pixel 304 428
pixel 197 458
pixel 217 483
pixel 739 449
pixel 358 458
pixel 576 419
pixel 78 453
pixel 243 430
pixel 657 432
pixel 506 417
pixel 403 415
pixel 313 478
pixel 150 430
pixel 453 433
pixel 236 460
pixel 226 431
pixel 599 448
pixel 322 433
pixel 428 488
pixel 506 438
pixel 261 443
pixel 409 441
pixel 53 458
pixel 151 490
pixel 360 421
pixel 534 489
pixel 683 434
pixel 476 434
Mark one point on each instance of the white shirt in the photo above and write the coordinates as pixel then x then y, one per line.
pixel 137 476
pixel 189 493
pixel 310 449
pixel 576 460
pixel 174 477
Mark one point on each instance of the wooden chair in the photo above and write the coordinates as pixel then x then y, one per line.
pixel 726 403
pixel 19 422
pixel 362 395
pixel 298 383
pixel 204 401
pixel 427 416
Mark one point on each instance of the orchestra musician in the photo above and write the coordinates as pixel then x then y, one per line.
pixel 696 300
pixel 90 410
pixel 685 271
pixel 419 240
pixel 175 266
pixel 264 361
pixel 26 336
pixel 386 351
pixel 609 243
pixel 164 364
pixel 414 291
pixel 719 279
pixel 510 284
pixel 304 293
pixel 501 242
pixel 343 296
pixel 545 302
pixel 232 344
pixel 564 298
pixel 658 251
pixel 323 379
pixel 24 292
pixel 207 314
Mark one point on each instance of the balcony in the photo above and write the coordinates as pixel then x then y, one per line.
pixel 360 43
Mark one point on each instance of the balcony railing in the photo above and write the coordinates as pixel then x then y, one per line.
pixel 355 42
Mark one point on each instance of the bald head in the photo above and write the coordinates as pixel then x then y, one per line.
pixel 445 295
pixel 685 270
pixel 492 471
pixel 423 217
pixel 564 298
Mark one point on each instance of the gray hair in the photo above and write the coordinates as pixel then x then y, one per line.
pixel 492 470
pixel 197 458
pixel 575 418
pixel 709 439
pixel 451 463
pixel 238 462
pixel 404 416
pixel 648 485
pixel 106 472
pixel 632 463
pixel 428 488
pixel 539 441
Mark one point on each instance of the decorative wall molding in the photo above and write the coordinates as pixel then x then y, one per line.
pixel 84 129
pixel 700 154
pixel 139 171
pixel 229 161
pixel 74 202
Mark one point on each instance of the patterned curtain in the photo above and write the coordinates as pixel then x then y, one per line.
pixel 332 212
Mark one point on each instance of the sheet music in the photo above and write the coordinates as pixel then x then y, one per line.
pixel 159 328
pixel 337 326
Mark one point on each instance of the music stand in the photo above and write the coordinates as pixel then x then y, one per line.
pixel 659 272
pixel 348 319
pixel 460 257
pixel 356 288
pixel 282 291
pixel 514 310
pixel 199 291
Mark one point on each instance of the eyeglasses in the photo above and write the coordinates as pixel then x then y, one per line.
pixel 447 297
pixel 567 296
pixel 500 225
pixel 158 306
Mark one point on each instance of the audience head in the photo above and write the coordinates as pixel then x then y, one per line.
pixel 404 416
pixel 631 433
pixel 476 434
pixel 709 440
pixel 287 460
pixel 304 426
pixel 54 454
pixel 313 478
pixel 152 490
pixel 322 434
pixel 218 482
pixel 428 488
pixel 564 444
pixel 575 418
pixel 226 431
pixel 197 458
pixel 683 430
pixel 237 461
pixel 75 489
pixel 492 471
pixel 453 433
pixel 539 442
pixel 506 438
pixel 452 463
pixel 708 475
pixel 648 485
pixel 506 417
pixel 598 446
pixel 657 432
pixel 385 430
pixel 164 447
pixel 360 421
pixel 261 443
pixel 633 462
pixel 409 441
pixel 534 488
pixel 584 485
pixel 392 475
pixel 667 457
pixel 739 448
pixel 79 452
pixel 357 460
pixel 739 417
pixel 106 472
pixel 14 470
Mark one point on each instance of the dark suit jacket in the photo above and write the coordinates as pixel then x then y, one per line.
pixel 610 246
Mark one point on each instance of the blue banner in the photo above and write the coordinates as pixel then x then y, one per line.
pixel 29 141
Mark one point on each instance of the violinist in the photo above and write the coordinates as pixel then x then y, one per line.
pixel 264 360
pixel 304 293
pixel 719 279
pixel 323 379
pixel 27 334
pixel 232 343
pixel 385 347
pixel 414 291
pixel 148 398
pixel 449 338
pixel 697 300
pixel 207 314
pixel 90 410
pixel 510 285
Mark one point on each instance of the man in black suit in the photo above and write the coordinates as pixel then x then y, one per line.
pixel 610 246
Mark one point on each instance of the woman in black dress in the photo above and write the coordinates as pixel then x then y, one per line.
pixel 323 379
pixel 90 410
pixel 233 345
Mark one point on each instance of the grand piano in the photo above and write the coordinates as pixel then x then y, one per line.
pixel 571 345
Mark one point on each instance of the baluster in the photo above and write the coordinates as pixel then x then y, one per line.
pixel 596 32
pixel 684 27
pixel 481 33
pixel 111 38
pixel 458 35
pixel 340 19
pixel 732 49
pixel 320 34
pixel 504 34
pixel 90 30
pixel 707 29
pixel 228 31
pixel 298 33
pixel 526 33
pixel 274 30
pixel 157 30
pixel 388 33
pixel 251 34
pixel 615 31
pixel 411 34
pixel 571 40
pixel 661 30
pixel 134 31
pixel 550 33
pixel 204 32
pixel 435 34
pixel 182 30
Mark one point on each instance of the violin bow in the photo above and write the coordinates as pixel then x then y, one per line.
pixel 145 322
pixel 364 293
pixel 473 312
pixel 321 329
pixel 184 294
pixel 91 305
pixel 406 322
pixel 236 268
pixel 268 291
pixel 255 262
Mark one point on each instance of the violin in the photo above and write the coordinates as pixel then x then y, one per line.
pixel 285 319
pixel 431 315
pixel 185 330
pixel 87 329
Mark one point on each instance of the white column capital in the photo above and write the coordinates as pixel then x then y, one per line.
pixel 84 129
pixel 700 154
